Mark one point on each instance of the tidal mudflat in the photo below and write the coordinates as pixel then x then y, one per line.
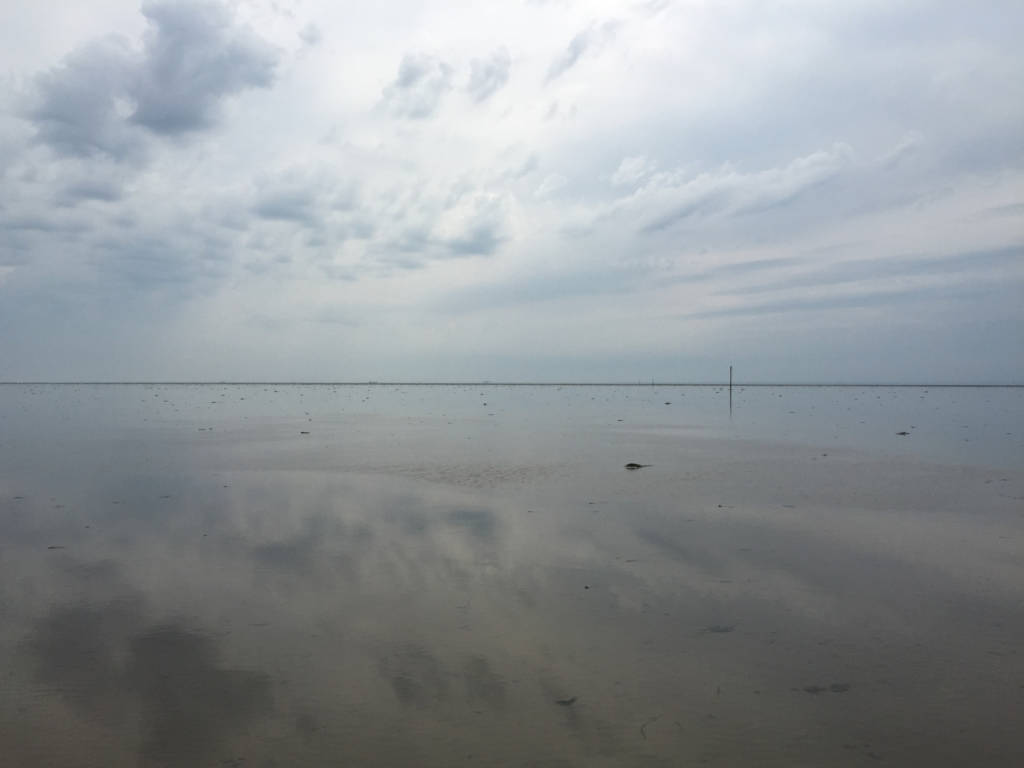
pixel 273 575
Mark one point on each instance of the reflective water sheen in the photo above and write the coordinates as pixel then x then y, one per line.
pixel 343 576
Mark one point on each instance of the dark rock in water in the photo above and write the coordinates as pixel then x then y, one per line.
pixel 566 702
pixel 632 466
pixel 903 434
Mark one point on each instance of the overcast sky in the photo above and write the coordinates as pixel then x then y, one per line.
pixel 535 190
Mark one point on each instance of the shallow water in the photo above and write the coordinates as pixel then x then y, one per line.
pixel 432 574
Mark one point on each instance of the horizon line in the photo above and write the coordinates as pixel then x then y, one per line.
pixel 485 382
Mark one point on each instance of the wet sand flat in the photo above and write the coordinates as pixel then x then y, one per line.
pixel 274 576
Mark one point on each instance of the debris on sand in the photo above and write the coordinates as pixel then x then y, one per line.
pixel 566 702
pixel 633 466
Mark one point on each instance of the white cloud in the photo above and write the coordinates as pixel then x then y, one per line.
pixel 592 38
pixel 421 83
pixel 551 184
pixel 631 171
pixel 488 75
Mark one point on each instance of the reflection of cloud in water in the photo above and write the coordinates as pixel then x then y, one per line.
pixel 481 522
pixel 477 476
pixel 416 676
pixel 483 684
pixel 108 662
pixel 415 622
pixel 75 651
pixel 192 704
pixel 419 679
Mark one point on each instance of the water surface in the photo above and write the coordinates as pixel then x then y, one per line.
pixel 467 575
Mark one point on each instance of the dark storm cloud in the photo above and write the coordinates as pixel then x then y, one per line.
pixel 417 91
pixel 486 76
pixel 193 57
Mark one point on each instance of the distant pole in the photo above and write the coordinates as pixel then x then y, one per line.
pixel 730 387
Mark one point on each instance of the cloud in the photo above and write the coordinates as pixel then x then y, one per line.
pixel 631 171
pixel 421 83
pixel 297 205
pixel 550 186
pixel 474 225
pixel 863 270
pixel 592 37
pixel 1011 209
pixel 311 35
pixel 306 213
pixel 102 190
pixel 194 57
pixel 436 222
pixel 675 197
pixel 480 238
pixel 857 300
pixel 705 166
pixel 81 107
pixel 486 76
pixel 738 269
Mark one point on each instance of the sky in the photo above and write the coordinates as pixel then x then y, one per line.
pixel 544 190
